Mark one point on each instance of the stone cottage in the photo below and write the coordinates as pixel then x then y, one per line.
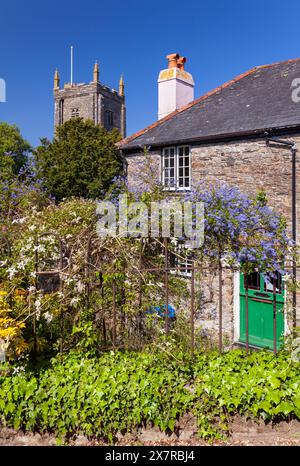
pixel 245 133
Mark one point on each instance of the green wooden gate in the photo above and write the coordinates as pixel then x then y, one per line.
pixel 261 311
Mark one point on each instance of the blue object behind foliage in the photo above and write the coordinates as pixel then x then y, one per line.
pixel 161 311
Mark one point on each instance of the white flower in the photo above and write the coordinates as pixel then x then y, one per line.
pixel 18 369
pixel 225 260
pixel 80 287
pixel 69 281
pixel 48 317
pixel 28 246
pixel 11 272
pixel 32 228
pixel 74 301
pixel 38 304
pixel 32 289
pixel 38 307
pixel 21 265
pixel 19 220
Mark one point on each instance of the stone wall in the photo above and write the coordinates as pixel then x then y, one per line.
pixel 137 170
pixel 250 165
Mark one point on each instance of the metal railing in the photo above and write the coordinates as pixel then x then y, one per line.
pixel 111 294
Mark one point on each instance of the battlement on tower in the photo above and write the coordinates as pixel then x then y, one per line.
pixel 94 101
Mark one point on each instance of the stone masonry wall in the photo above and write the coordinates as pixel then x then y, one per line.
pixel 137 169
pixel 251 166
pixel 93 101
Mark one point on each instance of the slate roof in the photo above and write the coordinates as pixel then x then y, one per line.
pixel 257 100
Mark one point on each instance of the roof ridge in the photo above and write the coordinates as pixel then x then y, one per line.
pixel 282 62
pixel 199 99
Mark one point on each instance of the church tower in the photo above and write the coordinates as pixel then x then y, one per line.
pixel 93 101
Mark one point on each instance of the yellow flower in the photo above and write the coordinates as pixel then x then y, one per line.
pixel 20 292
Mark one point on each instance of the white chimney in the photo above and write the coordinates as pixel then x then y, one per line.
pixel 175 86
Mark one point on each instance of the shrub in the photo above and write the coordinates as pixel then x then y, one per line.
pixel 120 391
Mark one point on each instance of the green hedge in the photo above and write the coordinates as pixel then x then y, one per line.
pixel 119 391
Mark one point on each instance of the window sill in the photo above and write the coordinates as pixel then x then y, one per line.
pixel 166 188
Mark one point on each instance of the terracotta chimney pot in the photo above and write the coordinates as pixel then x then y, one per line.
pixel 180 62
pixel 173 57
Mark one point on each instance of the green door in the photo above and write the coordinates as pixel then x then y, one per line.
pixel 260 311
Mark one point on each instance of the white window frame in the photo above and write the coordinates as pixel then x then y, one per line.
pixel 182 261
pixel 176 187
pixel 75 113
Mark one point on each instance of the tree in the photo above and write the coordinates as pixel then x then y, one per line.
pixel 81 161
pixel 14 150
pixel 19 187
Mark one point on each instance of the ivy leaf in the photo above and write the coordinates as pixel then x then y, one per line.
pixel 284 407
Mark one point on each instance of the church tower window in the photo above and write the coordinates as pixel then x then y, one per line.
pixel 75 112
pixel 109 119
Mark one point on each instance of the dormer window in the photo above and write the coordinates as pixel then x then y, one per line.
pixel 176 167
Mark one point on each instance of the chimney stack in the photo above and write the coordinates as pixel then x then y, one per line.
pixel 175 86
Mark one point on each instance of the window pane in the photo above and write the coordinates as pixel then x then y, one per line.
pixel 75 112
pixel 177 161
pixel 169 166
pixel 277 280
pixel 181 259
pixel 253 281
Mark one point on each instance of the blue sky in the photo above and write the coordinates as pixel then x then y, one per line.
pixel 220 38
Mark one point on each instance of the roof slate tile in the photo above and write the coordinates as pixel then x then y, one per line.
pixel 258 99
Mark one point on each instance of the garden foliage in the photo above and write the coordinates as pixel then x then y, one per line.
pixel 81 160
pixel 121 391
